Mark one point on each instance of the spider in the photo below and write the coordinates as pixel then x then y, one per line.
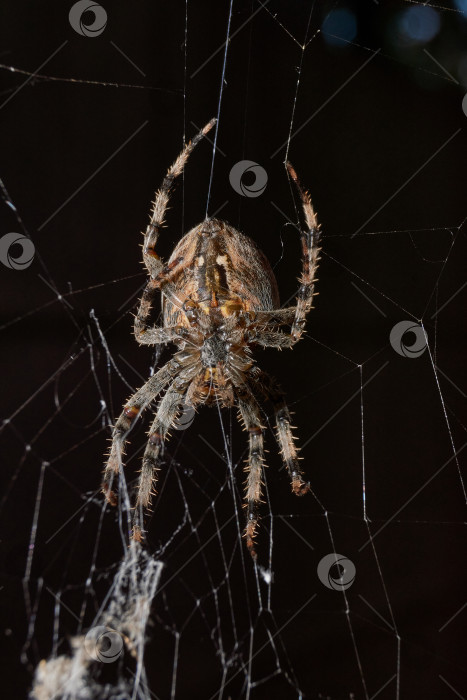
pixel 219 300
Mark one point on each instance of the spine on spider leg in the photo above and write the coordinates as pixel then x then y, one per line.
pixel 177 167
pixel 159 433
pixel 285 438
pixel 310 214
pixel 161 200
pixel 147 481
pixel 253 486
pixel 289 451
pixel 117 451
pixel 310 259
pixel 141 321
pixel 133 408
pixel 149 468
pixel 250 529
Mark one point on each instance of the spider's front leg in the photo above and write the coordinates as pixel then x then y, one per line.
pixel 251 416
pixel 153 262
pixel 161 273
pixel 266 325
pixel 310 257
pixel 153 335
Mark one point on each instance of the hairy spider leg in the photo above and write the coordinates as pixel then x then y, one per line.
pixel 284 436
pixel 167 412
pixel 152 260
pixel 135 406
pixel 160 273
pixel 310 257
pixel 267 323
pixel 250 413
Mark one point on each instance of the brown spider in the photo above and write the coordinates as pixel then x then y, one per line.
pixel 220 299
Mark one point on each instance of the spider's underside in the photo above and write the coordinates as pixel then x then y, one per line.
pixel 220 299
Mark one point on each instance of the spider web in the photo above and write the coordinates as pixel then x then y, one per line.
pixel 372 121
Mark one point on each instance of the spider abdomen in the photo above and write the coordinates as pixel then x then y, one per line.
pixel 221 270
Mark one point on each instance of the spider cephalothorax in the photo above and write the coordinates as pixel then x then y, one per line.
pixel 220 300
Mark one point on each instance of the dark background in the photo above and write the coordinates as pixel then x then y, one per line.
pixel 364 148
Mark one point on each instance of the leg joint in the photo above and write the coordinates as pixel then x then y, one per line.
pixel 155 439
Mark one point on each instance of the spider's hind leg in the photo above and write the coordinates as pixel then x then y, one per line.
pixel 250 414
pixel 117 450
pixel 284 435
pixel 133 408
pixel 166 414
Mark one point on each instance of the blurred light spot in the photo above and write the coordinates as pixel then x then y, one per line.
pixel 417 25
pixel 461 5
pixel 339 25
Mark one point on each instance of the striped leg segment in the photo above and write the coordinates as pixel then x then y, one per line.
pixel 152 260
pixel 161 273
pixel 135 406
pixel 310 259
pixel 284 435
pixel 250 414
pixel 167 412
